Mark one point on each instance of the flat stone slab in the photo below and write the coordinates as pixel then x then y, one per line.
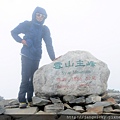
pixel 69 112
pixel 45 113
pixel 28 110
pixel 115 111
pixel 53 108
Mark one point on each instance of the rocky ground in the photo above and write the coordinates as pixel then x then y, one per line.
pixel 104 106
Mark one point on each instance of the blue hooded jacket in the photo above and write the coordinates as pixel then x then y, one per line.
pixel 34 32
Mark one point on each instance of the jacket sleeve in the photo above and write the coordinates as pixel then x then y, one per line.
pixel 48 41
pixel 21 28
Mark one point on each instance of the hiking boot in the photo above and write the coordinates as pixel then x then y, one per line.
pixel 22 105
pixel 30 104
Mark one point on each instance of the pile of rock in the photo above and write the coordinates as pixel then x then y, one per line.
pixel 104 104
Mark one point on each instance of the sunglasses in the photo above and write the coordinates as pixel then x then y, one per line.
pixel 40 15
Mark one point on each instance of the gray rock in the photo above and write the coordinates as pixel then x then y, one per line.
pixel 67 106
pixel 93 99
pixel 55 100
pixel 114 95
pixel 69 112
pixel 14 102
pixel 107 109
pixel 45 113
pixel 79 109
pixel 75 73
pixel 39 101
pixel 68 98
pixel 54 108
pixel 104 104
pixel 5 102
pixel 2 109
pixel 80 100
pixel 115 111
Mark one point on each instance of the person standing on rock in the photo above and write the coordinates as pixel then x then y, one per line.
pixel 34 31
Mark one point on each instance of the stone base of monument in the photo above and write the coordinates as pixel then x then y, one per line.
pixel 66 107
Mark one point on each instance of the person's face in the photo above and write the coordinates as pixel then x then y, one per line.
pixel 40 17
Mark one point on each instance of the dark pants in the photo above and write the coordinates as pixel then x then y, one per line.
pixel 26 88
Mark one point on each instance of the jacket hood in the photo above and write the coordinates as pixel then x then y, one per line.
pixel 38 10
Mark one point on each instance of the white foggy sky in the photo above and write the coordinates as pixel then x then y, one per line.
pixel 89 25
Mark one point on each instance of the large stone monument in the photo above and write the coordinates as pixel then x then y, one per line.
pixel 74 73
